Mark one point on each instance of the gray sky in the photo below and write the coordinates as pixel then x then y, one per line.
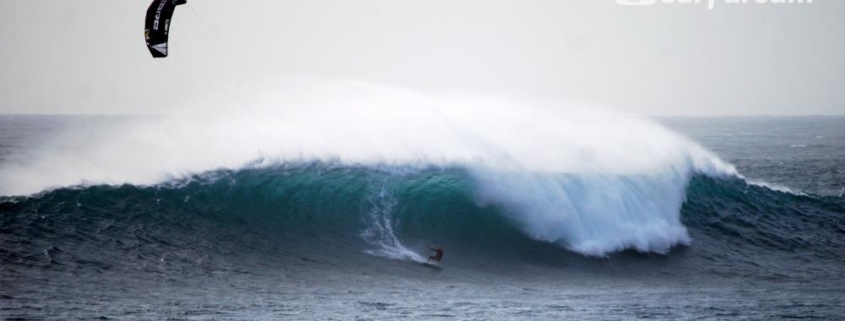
pixel 70 57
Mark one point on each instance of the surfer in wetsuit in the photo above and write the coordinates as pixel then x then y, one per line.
pixel 438 254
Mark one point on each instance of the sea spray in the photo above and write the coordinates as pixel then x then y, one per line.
pixel 381 221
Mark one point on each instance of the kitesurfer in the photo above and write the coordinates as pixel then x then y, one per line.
pixel 438 254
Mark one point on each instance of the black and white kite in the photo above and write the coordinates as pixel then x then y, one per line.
pixel 157 25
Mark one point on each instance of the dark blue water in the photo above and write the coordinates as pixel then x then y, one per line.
pixel 802 153
pixel 328 240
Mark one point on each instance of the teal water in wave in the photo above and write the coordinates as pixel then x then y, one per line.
pixel 324 239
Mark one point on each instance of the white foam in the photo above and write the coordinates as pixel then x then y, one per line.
pixel 380 233
pixel 773 187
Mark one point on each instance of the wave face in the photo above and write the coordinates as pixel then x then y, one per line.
pixel 333 209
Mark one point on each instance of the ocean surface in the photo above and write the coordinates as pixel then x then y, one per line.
pixel 143 218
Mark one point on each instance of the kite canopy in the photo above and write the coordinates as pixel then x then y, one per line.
pixel 157 25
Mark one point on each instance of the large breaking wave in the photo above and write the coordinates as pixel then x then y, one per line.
pixel 584 178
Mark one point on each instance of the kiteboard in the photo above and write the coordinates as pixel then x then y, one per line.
pixel 432 264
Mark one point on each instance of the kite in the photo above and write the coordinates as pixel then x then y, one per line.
pixel 157 25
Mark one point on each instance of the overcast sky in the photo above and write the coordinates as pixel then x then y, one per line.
pixel 73 57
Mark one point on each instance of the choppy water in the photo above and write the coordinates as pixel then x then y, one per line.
pixel 327 239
